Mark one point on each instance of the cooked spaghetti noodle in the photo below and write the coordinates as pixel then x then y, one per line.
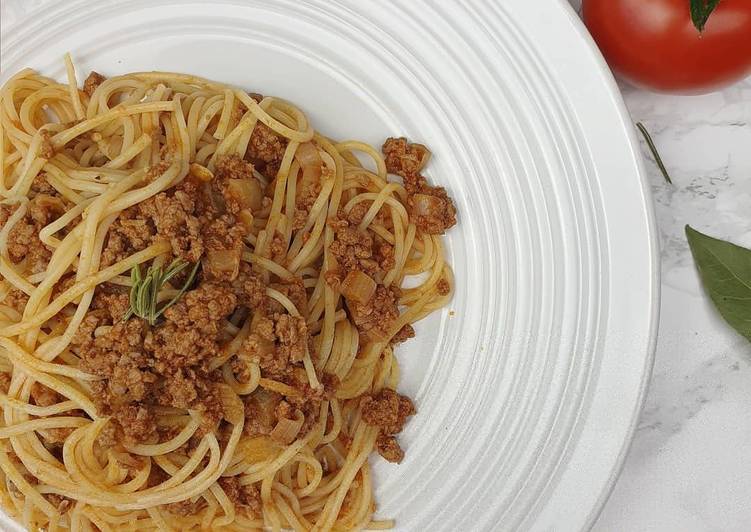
pixel 199 304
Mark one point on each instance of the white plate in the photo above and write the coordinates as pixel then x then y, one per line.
pixel 529 386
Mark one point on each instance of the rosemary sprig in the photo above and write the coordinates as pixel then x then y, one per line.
pixel 144 292
pixel 655 153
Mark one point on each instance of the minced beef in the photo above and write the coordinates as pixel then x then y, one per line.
pixel 4 382
pixel 23 239
pixel 432 215
pixel 276 342
pixel 93 80
pixel 40 185
pixel 389 411
pixel 389 448
pixel 374 318
pixel 246 496
pixel 46 149
pixel 187 507
pixel 16 299
pixel 166 365
pixel 266 150
pixel 352 249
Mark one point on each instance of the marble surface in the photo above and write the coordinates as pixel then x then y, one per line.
pixel 689 467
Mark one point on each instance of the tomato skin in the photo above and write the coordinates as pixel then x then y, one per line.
pixel 654 44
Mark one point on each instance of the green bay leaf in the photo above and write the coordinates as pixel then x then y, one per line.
pixel 725 271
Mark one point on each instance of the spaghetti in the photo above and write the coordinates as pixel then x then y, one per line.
pixel 199 303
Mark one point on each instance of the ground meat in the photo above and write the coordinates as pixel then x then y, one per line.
pixel 374 318
pixel 57 436
pixel 222 234
pixel 233 167
pixel 137 423
pixel 4 382
pixel 93 80
pixel 387 410
pixel 278 249
pixel 292 333
pixel 357 213
pixel 260 407
pixel 443 287
pixel 248 288
pixel 203 308
pixel 266 149
pixel 404 334
pixel 247 496
pixel 384 254
pixel 112 300
pixel 108 437
pixel 352 249
pixel 46 149
pixel 173 216
pixel 432 216
pixel 295 291
pixel 186 507
pixel 306 197
pixel 58 501
pixel 241 370
pixel 276 342
pixel 406 160
pixel 23 239
pixel 119 358
pixel 16 299
pixel 389 448
pixel 44 396
pixel 40 185
pixel 166 365
pixel 299 219
pixel 431 210
pixel 128 234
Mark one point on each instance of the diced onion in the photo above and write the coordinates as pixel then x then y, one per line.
pixel 223 261
pixel 310 162
pixel 426 205
pixel 201 172
pixel 358 287
pixel 307 155
pixel 234 410
pixel 247 192
pixel 424 155
pixel 265 403
pixel 257 449
pixel 246 219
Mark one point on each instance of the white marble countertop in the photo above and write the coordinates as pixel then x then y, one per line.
pixel 689 467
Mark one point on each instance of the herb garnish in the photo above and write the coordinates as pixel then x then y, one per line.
pixel 655 153
pixel 144 291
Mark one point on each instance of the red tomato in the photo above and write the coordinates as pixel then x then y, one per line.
pixel 654 44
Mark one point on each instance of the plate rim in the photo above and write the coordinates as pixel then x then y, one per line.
pixel 654 250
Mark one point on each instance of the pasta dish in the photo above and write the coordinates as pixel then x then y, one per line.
pixel 200 299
